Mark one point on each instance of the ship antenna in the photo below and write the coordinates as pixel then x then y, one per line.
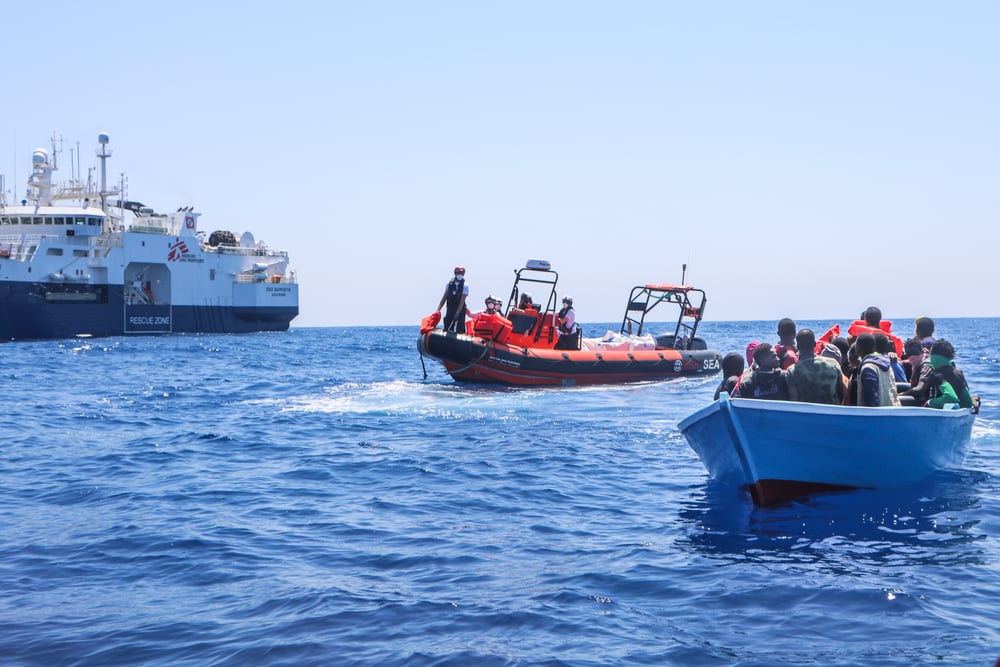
pixel 103 154
pixel 684 268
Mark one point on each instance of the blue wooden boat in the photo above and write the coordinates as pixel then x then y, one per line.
pixel 781 450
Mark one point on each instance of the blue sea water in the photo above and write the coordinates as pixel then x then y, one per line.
pixel 309 498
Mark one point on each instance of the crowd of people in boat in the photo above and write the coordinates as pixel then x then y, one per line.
pixel 522 318
pixel 870 367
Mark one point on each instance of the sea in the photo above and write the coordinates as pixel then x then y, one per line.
pixel 325 496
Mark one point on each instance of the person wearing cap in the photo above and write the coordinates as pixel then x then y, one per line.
pixel 814 378
pixel 569 330
pixel 455 294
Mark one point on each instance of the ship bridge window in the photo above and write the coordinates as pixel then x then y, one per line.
pixel 4 220
pixel 58 220
pixel 80 220
pixel 36 221
pixel 54 251
pixel 48 220
pixel 79 253
pixel 94 222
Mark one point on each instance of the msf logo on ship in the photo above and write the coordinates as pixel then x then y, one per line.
pixel 177 250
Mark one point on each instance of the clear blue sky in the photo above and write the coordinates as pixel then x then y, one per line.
pixel 804 159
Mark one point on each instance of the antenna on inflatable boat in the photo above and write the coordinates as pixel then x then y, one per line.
pixel 684 268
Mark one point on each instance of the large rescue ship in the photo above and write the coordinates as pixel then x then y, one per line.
pixel 78 258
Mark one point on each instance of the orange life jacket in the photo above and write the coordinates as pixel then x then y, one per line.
pixel 859 327
pixel 430 322
pixel 491 326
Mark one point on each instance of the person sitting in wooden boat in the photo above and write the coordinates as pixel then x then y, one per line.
pixel 455 294
pixel 814 378
pixel 751 364
pixel 946 383
pixel 876 385
pixel 569 330
pixel 913 360
pixel 785 349
pixel 884 346
pixel 841 344
pixel 871 322
pixel 767 380
pixel 920 377
pixel 732 371
pixel 923 330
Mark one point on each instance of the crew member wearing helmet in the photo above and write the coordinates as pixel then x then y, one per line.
pixel 455 294
pixel 525 316
pixel 490 324
pixel 493 305
pixel 569 330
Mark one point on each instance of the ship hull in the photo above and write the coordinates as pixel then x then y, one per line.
pixel 33 311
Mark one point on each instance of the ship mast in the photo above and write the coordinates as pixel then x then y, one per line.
pixel 103 154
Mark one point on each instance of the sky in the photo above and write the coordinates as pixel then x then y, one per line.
pixel 802 159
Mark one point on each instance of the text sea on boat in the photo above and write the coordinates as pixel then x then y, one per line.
pixel 79 259
pixel 520 346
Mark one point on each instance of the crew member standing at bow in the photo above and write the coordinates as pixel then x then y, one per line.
pixel 455 294
pixel 569 330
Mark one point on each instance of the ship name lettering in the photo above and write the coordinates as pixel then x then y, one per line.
pixel 159 319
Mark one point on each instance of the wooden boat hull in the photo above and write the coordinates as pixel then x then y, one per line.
pixel 781 450
pixel 472 359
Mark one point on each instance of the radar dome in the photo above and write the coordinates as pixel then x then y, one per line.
pixel 40 156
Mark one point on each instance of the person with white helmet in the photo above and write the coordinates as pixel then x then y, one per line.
pixel 455 294
pixel 569 330
pixel 493 306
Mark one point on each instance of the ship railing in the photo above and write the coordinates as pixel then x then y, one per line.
pixel 277 278
pixel 246 252
pixel 22 248
pixel 107 241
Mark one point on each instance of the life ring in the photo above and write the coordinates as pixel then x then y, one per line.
pixel 189 221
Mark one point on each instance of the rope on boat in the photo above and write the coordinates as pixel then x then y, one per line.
pixel 486 349
pixel 420 350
